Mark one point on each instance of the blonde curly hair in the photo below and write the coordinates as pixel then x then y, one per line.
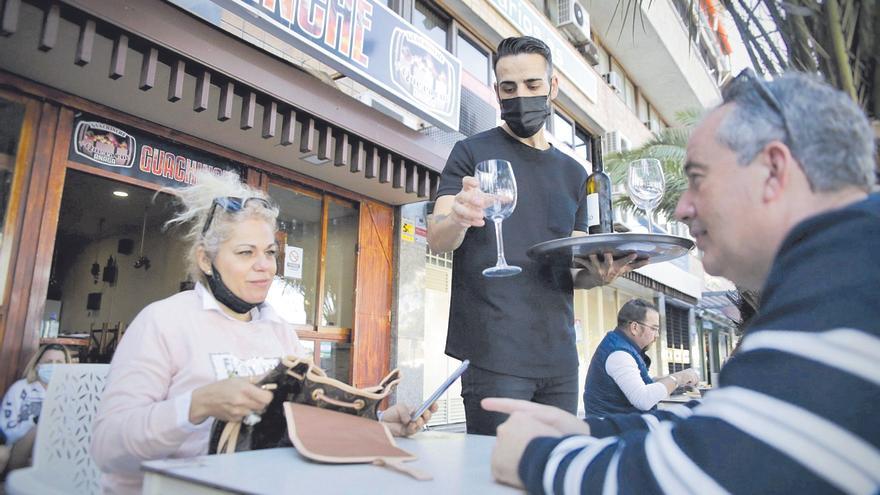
pixel 196 202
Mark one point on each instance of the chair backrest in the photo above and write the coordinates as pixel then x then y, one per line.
pixel 64 432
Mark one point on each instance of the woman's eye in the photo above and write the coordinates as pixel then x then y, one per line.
pixel 245 253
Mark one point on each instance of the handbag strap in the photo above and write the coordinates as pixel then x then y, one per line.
pixel 228 438
pixel 400 467
pixel 318 395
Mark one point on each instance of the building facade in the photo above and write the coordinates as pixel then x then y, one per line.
pixel 344 112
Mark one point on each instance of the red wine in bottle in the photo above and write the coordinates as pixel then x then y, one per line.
pixel 599 214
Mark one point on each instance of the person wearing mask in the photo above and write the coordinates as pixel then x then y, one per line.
pixel 518 332
pixel 194 357
pixel 618 379
pixel 23 403
pixel 779 200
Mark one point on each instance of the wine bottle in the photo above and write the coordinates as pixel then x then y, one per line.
pixel 599 214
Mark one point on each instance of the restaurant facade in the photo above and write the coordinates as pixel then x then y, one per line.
pixel 107 103
pixel 343 112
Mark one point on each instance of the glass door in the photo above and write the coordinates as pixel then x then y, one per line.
pixel 314 289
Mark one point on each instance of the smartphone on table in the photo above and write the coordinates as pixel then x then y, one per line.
pixel 442 388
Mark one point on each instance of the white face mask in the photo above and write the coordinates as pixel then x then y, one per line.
pixel 44 371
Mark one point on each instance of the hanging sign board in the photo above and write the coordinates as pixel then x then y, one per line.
pixel 362 39
pixel 130 152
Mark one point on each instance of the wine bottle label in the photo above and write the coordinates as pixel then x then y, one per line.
pixel 593 209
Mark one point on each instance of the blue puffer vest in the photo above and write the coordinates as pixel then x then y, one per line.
pixel 602 396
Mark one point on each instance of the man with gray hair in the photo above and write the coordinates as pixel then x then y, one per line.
pixel 778 200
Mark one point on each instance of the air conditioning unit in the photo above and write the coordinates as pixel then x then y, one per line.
pixel 572 18
pixel 653 125
pixel 614 80
pixel 615 142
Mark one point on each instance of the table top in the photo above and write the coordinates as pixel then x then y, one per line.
pixel 459 463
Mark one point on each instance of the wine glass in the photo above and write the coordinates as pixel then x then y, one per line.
pixel 645 184
pixel 498 183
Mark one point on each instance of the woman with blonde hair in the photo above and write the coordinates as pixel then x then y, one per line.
pixel 23 402
pixel 194 357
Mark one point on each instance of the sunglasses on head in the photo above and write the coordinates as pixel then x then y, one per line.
pixel 748 80
pixel 231 205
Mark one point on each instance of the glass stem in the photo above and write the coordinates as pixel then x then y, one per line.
pixel 650 221
pixel 499 242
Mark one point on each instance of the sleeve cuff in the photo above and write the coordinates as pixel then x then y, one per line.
pixel 534 461
pixel 182 405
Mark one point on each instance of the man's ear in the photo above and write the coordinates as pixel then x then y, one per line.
pixel 203 260
pixel 554 86
pixel 780 166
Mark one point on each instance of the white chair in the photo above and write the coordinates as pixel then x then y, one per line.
pixel 63 462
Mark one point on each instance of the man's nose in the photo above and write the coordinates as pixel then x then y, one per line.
pixel 684 210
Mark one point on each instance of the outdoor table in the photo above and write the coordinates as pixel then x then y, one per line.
pixel 458 462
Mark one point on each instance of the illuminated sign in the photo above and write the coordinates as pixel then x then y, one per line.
pixel 361 39
pixel 130 152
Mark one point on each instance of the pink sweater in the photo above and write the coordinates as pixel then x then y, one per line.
pixel 172 347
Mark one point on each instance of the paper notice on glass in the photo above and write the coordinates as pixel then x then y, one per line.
pixel 293 267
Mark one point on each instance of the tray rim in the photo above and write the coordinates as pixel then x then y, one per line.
pixel 542 250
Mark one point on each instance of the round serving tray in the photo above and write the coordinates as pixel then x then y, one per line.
pixel 653 247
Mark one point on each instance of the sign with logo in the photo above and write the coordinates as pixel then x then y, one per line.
pixel 529 22
pixel 130 152
pixel 362 39
pixel 293 257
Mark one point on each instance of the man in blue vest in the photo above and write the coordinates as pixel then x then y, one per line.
pixel 618 380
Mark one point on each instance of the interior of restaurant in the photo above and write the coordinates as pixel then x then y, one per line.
pixel 113 256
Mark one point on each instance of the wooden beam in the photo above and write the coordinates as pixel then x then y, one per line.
pixel 148 67
pixel 248 110
pixel 175 83
pixel 325 142
pixel 288 127
pixel 307 136
pixel 49 33
pixel 398 176
pixel 342 156
pixel 435 182
pixel 85 43
pixel 9 22
pixel 117 60
pixel 203 91
pixel 358 157
pixel 227 93
pixel 424 183
pixel 270 119
pixel 386 167
pixel 410 177
pixel 372 163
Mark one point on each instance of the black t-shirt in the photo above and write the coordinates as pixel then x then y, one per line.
pixel 520 325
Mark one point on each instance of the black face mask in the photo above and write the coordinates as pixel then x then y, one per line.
pixel 224 295
pixel 525 115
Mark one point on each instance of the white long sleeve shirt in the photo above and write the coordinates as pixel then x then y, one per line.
pixel 624 370
pixel 173 347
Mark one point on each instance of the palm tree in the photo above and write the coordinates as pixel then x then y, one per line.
pixel 839 39
pixel 669 147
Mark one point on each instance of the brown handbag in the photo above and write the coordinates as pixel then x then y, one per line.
pixel 299 381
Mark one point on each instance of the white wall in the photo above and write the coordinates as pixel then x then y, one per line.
pixel 134 288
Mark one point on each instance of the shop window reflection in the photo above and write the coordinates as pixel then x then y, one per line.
pixel 293 293
pixel 342 232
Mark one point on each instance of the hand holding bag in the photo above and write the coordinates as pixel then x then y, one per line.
pixel 299 381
